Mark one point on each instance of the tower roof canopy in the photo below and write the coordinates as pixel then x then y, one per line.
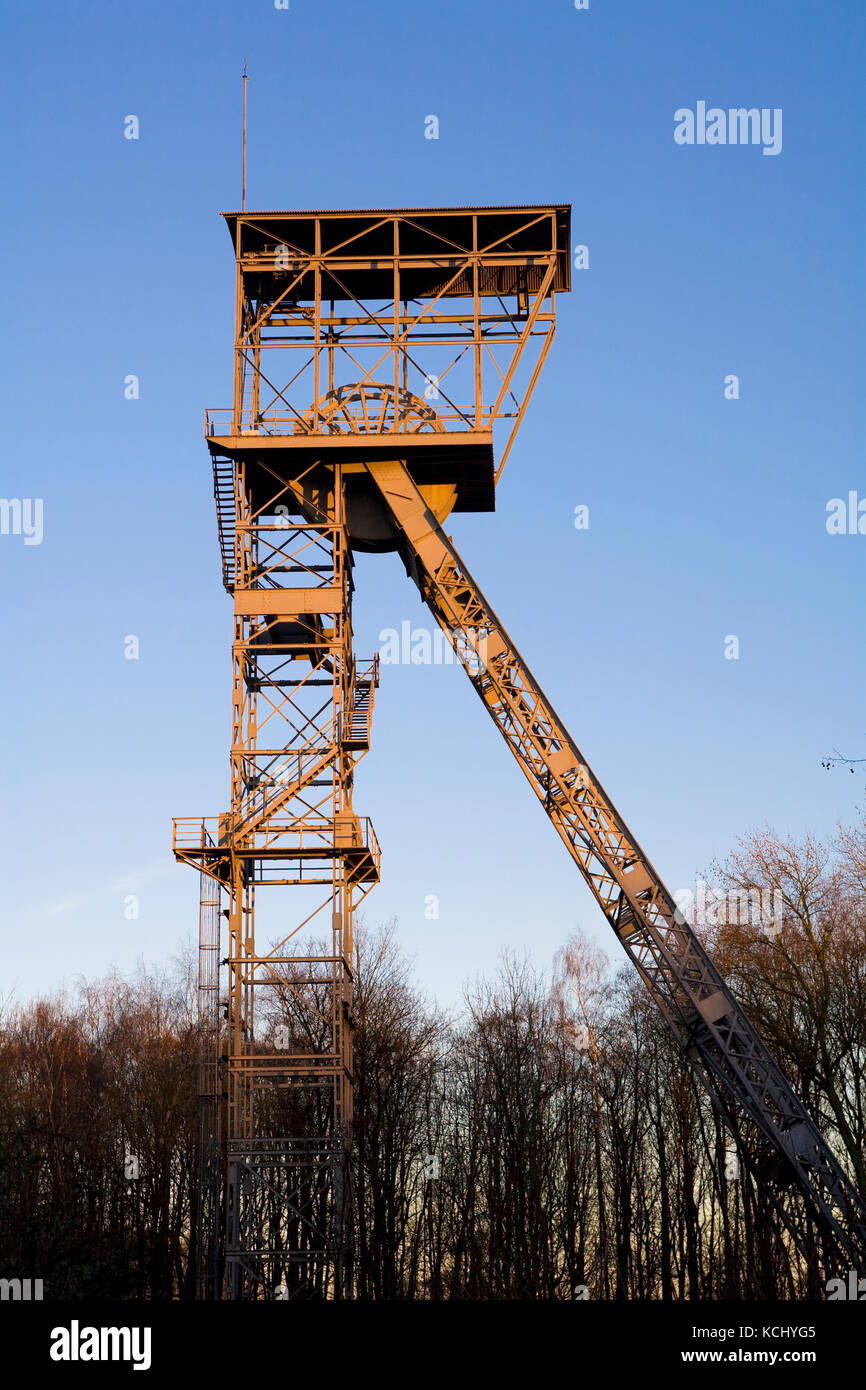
pixel 432 244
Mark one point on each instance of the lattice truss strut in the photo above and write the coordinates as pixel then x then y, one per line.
pixel 786 1148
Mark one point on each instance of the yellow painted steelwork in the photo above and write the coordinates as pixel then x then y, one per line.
pixel 357 335
pixel 376 355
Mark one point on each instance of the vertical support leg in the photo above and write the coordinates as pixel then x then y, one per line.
pixel 300 722
pixel 209 1215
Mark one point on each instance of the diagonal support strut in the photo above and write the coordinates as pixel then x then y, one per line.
pixel 718 1039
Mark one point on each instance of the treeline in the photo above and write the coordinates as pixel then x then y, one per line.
pixel 546 1143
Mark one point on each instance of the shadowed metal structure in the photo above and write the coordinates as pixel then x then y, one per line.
pixel 376 352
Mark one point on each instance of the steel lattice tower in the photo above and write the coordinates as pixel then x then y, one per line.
pixel 363 344
pixel 301 710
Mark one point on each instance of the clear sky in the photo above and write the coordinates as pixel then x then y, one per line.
pixel 707 515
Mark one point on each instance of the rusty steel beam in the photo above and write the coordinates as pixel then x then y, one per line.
pixel 784 1145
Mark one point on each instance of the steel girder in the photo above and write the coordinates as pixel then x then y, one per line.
pixel 786 1148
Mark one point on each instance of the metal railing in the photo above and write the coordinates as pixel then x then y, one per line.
pixel 220 423
pixel 294 836
pixel 194 832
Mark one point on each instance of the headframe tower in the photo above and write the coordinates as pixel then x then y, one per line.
pixel 376 353
pixel 361 337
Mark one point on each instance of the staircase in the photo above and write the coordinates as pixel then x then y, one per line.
pixel 306 764
pixel 224 493
pixel 356 722
pixel 358 715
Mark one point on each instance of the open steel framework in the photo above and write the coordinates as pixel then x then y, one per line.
pixel 277 1081
pixel 375 354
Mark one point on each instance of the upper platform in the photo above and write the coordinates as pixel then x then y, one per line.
pixel 426 236
pixel 415 332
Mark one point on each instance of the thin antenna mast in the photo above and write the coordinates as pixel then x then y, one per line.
pixel 244 171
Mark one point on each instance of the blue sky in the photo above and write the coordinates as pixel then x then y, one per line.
pixel 707 516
